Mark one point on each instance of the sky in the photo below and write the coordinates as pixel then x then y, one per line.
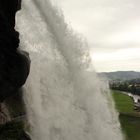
pixel 112 29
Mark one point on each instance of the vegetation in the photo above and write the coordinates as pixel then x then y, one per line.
pixel 11 131
pixel 130 126
pixel 129 118
pixel 14 130
pixel 124 103
pixel 132 86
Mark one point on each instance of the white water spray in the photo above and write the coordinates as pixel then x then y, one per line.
pixel 65 99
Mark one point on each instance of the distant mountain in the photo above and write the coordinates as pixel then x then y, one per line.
pixel 121 75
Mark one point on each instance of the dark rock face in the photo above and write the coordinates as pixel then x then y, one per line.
pixel 14 64
pixel 14 70
pixel 9 9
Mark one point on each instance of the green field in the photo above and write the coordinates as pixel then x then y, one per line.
pixel 129 118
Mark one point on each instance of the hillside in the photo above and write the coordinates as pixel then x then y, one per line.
pixel 121 75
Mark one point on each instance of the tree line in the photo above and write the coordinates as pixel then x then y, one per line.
pixel 132 86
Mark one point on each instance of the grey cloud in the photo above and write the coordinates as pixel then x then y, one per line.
pixel 105 23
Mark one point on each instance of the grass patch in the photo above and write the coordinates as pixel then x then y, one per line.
pixel 124 103
pixel 130 126
pixel 129 118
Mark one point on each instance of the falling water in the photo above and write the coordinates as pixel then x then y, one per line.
pixel 65 99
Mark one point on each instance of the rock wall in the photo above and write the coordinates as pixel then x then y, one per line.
pixel 14 70
pixel 14 63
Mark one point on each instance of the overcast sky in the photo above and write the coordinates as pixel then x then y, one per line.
pixel 112 28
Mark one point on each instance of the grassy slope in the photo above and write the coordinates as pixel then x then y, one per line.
pixel 129 118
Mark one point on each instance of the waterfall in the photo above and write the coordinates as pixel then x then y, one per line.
pixel 64 97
